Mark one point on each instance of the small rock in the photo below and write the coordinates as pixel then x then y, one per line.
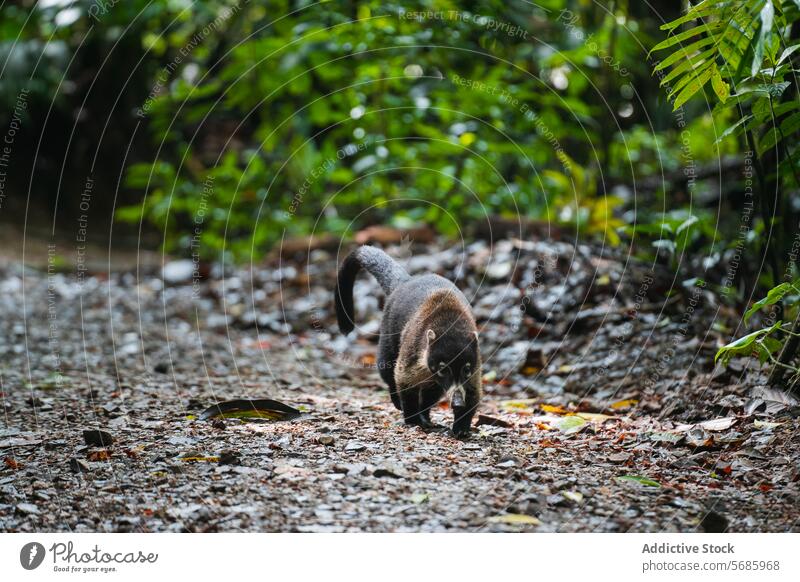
pixel 177 272
pixel 573 496
pixel 27 509
pixel 326 440
pixel 619 457
pixel 229 458
pixel 161 368
pixel 393 472
pixel 714 522
pixel 351 469
pixel 79 466
pixel 354 446
pixel 97 438
pixel 485 419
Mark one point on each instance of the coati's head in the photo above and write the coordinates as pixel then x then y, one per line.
pixel 452 357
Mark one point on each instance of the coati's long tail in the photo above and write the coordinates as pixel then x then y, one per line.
pixel 380 265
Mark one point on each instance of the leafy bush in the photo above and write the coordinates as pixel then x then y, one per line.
pixel 745 51
pixel 331 118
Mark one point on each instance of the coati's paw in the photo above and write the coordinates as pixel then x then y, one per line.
pixel 425 424
pixel 462 421
pixel 460 433
pixel 435 428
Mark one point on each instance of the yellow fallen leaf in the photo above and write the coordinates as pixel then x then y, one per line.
pixel 515 519
pixel 625 403
pixel 530 370
pixel 520 406
pixel 199 459
pixel 553 409
pixel 593 416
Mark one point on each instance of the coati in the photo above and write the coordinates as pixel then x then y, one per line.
pixel 428 339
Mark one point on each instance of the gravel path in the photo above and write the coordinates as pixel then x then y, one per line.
pixel 589 427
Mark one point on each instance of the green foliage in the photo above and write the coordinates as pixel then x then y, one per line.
pixel 765 342
pixel 745 50
pixel 775 295
pixel 331 118
pixel 758 343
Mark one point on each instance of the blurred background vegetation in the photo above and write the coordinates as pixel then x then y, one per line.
pixel 221 126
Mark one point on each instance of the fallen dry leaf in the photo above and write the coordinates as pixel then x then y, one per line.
pixel 553 409
pixel 514 519
pixel 623 404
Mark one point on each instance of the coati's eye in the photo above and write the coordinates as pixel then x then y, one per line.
pixel 441 369
pixel 467 370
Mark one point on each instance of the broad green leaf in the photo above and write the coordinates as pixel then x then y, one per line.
pixel 767 141
pixel 766 347
pixel 721 88
pixel 689 66
pixel 791 124
pixel 766 16
pixel 684 53
pixel 744 346
pixel 704 8
pixel 733 129
pixel 788 52
pixel 771 89
pixel 691 88
pixel 686 34
pixel 773 296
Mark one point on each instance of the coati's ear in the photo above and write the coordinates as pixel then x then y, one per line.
pixel 431 335
pixel 477 336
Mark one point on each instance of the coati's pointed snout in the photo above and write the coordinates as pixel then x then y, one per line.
pixel 457 398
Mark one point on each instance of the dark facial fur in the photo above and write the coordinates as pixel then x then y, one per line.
pixel 453 356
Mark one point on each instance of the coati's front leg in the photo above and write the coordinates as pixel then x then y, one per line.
pixel 428 398
pixel 417 402
pixel 410 404
pixel 464 403
pixel 411 376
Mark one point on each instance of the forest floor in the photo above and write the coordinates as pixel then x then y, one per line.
pixel 603 410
